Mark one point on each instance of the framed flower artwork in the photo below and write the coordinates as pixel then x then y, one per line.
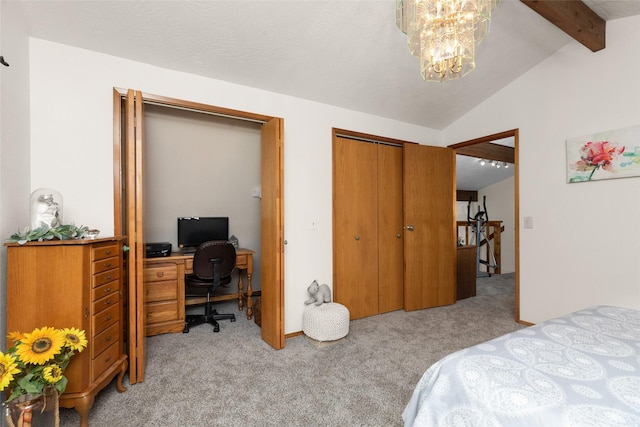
pixel 604 155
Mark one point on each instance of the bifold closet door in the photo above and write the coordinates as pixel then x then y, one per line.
pixel 355 226
pixel 390 236
pixel 368 248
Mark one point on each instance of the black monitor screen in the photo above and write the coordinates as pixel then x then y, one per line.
pixel 193 230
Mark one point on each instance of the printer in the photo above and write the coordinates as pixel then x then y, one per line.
pixel 159 249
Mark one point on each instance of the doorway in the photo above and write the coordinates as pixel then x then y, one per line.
pixel 489 148
pixel 129 212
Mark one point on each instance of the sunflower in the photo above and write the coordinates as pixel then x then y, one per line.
pixel 75 339
pixel 8 368
pixel 52 373
pixel 15 336
pixel 41 345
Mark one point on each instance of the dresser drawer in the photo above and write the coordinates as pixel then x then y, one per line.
pixel 161 272
pixel 105 302
pixel 160 291
pixel 188 266
pixel 104 319
pixel 104 339
pixel 161 311
pixel 104 290
pixel 104 361
pixel 105 277
pixel 104 251
pixel 105 264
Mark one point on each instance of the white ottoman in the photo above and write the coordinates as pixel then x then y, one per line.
pixel 326 322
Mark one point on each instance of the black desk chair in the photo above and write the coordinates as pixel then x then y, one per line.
pixel 212 266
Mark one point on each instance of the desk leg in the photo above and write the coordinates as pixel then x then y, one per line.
pixel 240 290
pixel 249 293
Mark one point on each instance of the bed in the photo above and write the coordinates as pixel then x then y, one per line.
pixel 582 369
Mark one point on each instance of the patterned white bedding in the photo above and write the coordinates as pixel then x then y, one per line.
pixel 582 369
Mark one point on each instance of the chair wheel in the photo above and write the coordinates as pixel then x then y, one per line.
pixel 233 319
pixel 185 330
pixel 216 328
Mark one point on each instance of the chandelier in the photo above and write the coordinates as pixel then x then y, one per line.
pixel 443 34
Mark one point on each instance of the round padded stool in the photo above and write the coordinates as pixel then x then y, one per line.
pixel 326 322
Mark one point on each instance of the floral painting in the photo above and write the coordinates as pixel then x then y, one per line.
pixel 604 155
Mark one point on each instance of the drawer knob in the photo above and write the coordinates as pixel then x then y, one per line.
pixel 107 290
pixel 108 252
pixel 107 302
pixel 108 318
pixel 108 276
pixel 108 339
pixel 160 273
pixel 108 264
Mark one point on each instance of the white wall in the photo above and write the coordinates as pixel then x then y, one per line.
pixel 501 207
pixel 72 119
pixel 14 139
pixel 583 248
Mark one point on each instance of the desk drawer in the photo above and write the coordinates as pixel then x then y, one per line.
pixel 105 277
pixel 161 311
pixel 105 318
pixel 104 290
pixel 160 291
pixel 161 272
pixel 241 261
pixel 104 361
pixel 105 339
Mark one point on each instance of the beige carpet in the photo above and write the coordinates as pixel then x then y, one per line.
pixel 233 378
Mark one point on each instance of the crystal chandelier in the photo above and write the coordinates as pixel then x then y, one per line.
pixel 443 34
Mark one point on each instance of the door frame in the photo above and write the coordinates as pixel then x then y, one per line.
pixel 276 336
pixel 491 155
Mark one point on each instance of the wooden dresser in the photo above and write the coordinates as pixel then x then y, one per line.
pixel 72 283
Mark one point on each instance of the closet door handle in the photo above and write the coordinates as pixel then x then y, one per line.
pixel 408 227
pixel 357 237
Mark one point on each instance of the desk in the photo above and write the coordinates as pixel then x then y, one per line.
pixel 165 299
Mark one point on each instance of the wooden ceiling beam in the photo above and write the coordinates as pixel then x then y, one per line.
pixel 488 151
pixel 574 18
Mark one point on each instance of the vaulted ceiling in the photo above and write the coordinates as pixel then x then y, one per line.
pixel 344 53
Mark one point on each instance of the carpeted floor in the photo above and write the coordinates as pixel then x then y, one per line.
pixel 233 378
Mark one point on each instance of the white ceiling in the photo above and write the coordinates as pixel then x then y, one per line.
pixel 346 53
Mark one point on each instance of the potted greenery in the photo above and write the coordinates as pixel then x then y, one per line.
pixel 33 369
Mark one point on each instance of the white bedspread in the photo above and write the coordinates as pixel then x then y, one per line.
pixel 578 370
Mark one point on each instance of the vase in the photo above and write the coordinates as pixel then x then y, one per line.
pixel 33 411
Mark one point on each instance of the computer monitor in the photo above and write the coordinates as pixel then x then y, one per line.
pixel 193 230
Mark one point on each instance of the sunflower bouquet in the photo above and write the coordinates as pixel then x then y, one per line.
pixel 37 360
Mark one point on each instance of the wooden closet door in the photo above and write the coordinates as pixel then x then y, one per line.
pixel 430 237
pixel 390 246
pixel 355 228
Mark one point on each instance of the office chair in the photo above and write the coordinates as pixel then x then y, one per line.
pixel 212 266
